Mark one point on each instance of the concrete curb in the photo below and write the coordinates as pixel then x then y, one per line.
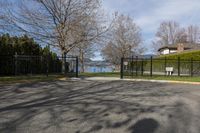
pixel 165 81
pixel 144 80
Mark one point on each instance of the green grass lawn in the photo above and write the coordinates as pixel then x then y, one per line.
pixel 38 78
pixel 117 74
pixel 171 78
pixel 34 78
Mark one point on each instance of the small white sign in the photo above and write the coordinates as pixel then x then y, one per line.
pixel 169 70
pixel 125 63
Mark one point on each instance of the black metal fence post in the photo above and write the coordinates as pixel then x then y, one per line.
pixel 48 59
pixel 47 67
pixel 31 65
pixel 16 64
pixel 76 67
pixel 151 67
pixel 179 72
pixel 122 68
pixel 191 67
pixel 132 67
pixel 165 66
pixel 65 57
pixel 142 68
pixel 136 65
pixel 41 65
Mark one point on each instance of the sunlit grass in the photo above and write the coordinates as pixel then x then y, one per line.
pixel 117 74
pixel 29 78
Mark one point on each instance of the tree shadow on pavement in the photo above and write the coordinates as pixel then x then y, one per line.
pixel 147 125
pixel 81 106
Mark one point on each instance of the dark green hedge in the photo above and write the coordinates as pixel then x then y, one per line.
pixel 24 45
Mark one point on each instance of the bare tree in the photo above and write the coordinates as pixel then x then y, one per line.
pixel 54 22
pixel 168 33
pixel 112 53
pixel 193 32
pixel 125 40
pixel 84 51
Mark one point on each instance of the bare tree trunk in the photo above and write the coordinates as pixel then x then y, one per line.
pixel 65 24
pixel 82 61
pixel 63 63
pixel 125 40
pixel 82 67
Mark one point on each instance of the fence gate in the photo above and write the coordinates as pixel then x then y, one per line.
pixel 131 67
pixel 71 65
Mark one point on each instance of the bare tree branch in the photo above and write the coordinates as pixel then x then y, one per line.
pixel 55 22
pixel 125 41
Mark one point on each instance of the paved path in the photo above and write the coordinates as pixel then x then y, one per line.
pixel 83 106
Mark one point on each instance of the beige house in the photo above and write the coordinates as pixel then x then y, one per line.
pixel 178 48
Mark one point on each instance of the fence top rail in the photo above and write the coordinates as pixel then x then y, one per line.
pixel 158 59
pixel 68 57
pixel 20 56
pixel 27 56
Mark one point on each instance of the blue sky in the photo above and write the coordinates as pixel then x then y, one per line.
pixel 148 14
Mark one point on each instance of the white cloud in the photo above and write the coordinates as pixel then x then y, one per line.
pixel 149 14
pixel 181 11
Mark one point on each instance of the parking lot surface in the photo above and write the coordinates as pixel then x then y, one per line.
pixel 99 107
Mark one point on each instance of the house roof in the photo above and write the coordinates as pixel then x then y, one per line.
pixel 186 46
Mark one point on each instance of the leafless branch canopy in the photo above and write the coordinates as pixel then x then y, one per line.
pixel 125 41
pixel 61 23
pixel 170 32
